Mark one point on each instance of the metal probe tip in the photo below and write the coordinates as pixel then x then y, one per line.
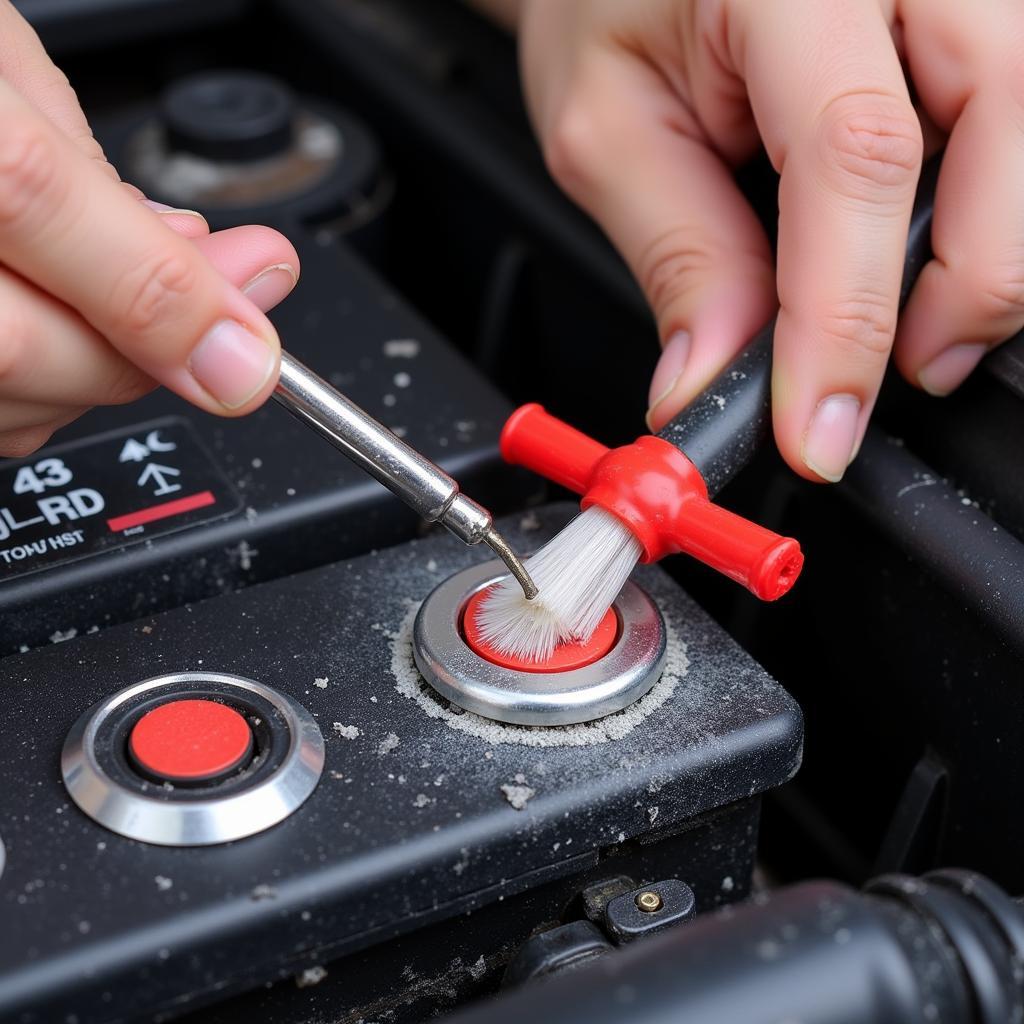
pixel 499 546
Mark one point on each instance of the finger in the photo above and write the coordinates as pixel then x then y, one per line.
pixel 621 146
pixel 970 297
pixel 152 294
pixel 26 427
pixel 189 223
pixel 258 260
pixel 20 415
pixel 49 354
pixel 832 105
pixel 26 66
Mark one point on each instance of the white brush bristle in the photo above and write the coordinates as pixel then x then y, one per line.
pixel 578 573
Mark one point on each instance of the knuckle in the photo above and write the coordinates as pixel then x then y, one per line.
pixel 16 444
pixel 998 293
pixel 127 386
pixel 154 291
pixel 871 143
pixel 673 267
pixel 27 169
pixel 14 346
pixel 862 328
pixel 571 147
pixel 87 142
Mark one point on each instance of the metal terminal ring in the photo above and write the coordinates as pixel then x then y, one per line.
pixel 195 822
pixel 459 674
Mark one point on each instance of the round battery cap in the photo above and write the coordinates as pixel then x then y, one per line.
pixel 191 741
pixel 564 658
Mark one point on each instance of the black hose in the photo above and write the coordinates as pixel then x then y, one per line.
pixel 943 531
pixel 945 949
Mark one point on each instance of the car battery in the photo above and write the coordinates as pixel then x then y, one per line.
pixel 140 508
pixel 261 787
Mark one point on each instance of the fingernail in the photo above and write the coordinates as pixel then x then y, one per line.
pixel 270 285
pixel 948 369
pixel 831 437
pixel 164 208
pixel 231 363
pixel 669 369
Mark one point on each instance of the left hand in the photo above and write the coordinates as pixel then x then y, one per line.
pixel 644 107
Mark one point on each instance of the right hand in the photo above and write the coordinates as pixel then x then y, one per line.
pixel 104 295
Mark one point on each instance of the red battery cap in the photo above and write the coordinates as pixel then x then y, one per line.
pixel 190 741
pixel 564 658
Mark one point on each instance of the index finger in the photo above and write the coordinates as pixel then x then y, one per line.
pixel 77 234
pixel 26 65
pixel 833 108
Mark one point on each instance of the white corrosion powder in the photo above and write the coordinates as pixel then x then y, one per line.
pixel 518 795
pixel 410 684
pixel 402 348
pixel 311 976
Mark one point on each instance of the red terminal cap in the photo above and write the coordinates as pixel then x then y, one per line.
pixel 564 658
pixel 191 740
pixel 658 493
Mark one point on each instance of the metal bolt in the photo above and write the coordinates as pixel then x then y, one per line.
pixel 649 902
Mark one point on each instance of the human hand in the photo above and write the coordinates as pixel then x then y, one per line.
pixel 644 107
pixel 102 296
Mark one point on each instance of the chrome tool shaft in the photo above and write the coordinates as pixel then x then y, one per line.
pixel 424 487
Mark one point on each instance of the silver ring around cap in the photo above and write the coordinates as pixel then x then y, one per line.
pixel 3 857
pixel 195 822
pixel 607 685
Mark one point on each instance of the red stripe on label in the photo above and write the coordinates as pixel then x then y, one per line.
pixel 162 511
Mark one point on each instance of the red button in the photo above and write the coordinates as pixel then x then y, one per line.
pixel 190 741
pixel 564 658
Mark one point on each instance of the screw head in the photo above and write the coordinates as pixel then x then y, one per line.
pixel 649 902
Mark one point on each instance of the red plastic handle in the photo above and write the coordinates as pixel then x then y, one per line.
pixel 657 492
pixel 534 438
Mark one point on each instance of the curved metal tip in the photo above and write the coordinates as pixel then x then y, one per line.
pixel 499 546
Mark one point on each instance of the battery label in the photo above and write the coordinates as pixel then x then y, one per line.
pixel 83 498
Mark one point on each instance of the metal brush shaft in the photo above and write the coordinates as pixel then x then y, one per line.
pixel 424 487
